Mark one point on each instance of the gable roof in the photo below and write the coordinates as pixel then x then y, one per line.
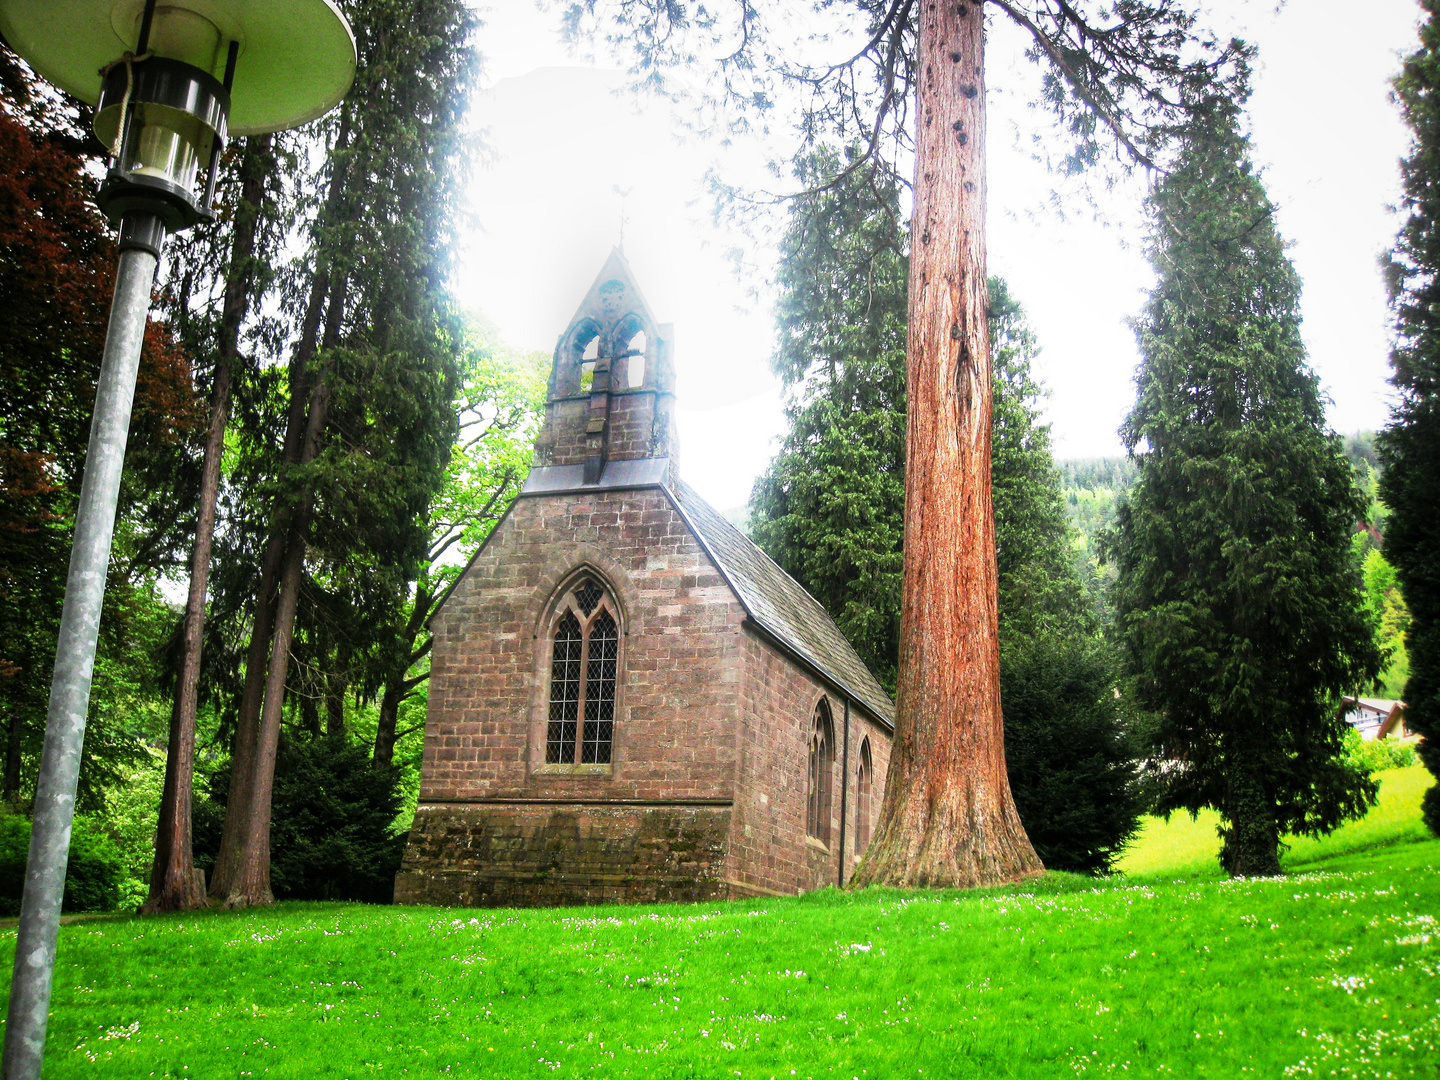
pixel 779 604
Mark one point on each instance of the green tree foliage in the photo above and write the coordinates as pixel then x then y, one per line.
pixel 829 509
pixel 333 825
pixel 94 874
pixel 57 264
pixel 500 406
pixel 1069 752
pixel 1391 617
pixel 1376 755
pixel 1237 595
pixel 366 409
pixel 1410 446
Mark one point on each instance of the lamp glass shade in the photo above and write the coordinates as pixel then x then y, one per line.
pixel 166 144
pixel 296 58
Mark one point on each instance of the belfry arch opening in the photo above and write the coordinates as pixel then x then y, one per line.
pixel 635 359
pixel 589 355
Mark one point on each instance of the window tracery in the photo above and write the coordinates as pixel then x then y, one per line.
pixel 864 780
pixel 822 758
pixel 584 664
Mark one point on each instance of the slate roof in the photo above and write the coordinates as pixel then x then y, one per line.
pixel 780 606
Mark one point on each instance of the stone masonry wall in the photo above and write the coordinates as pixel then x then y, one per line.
pixel 562 440
pixel 521 856
pixel 676 699
pixel 632 431
pixel 632 427
pixel 769 851
pixel 680 655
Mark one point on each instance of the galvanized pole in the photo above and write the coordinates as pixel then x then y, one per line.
pixel 141 237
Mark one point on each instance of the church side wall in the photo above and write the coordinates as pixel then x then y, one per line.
pixel 496 824
pixel 769 850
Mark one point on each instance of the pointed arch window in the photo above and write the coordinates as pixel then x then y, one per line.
pixel 864 782
pixel 584 662
pixel 822 760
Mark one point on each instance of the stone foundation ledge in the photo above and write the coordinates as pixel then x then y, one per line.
pixel 527 855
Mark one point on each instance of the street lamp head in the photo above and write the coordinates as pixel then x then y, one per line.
pixel 171 80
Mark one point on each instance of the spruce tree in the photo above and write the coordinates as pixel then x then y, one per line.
pixel 1237 595
pixel 830 507
pixel 1410 447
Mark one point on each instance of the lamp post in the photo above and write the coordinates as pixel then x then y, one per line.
pixel 171 81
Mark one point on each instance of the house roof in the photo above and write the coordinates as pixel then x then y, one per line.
pixel 1380 705
pixel 780 606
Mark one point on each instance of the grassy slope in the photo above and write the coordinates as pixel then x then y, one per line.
pixel 1332 969
pixel 1188 847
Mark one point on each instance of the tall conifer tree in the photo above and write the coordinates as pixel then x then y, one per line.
pixel 369 421
pixel 1237 595
pixel 1410 447
pixel 917 83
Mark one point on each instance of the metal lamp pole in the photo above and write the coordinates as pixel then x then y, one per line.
pixel 74 665
pixel 166 116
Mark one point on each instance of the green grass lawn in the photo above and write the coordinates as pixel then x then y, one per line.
pixel 1331 971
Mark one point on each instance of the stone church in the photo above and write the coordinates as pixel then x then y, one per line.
pixel 629 701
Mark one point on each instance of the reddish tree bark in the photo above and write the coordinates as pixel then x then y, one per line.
pixel 948 819
pixel 174 884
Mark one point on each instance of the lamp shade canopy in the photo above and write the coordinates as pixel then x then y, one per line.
pixel 295 58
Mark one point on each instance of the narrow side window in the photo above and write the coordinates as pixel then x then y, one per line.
pixel 863 782
pixel 822 758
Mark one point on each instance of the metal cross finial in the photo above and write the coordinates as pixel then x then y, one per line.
pixel 624 194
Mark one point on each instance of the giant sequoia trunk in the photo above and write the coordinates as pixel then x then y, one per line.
pixel 174 884
pixel 948 818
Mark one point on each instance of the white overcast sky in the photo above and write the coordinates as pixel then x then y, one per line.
pixel 564 138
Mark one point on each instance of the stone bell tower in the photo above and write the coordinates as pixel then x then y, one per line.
pixel 612 390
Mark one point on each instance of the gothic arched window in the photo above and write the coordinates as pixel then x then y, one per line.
pixel 583 665
pixel 864 781
pixel 822 759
